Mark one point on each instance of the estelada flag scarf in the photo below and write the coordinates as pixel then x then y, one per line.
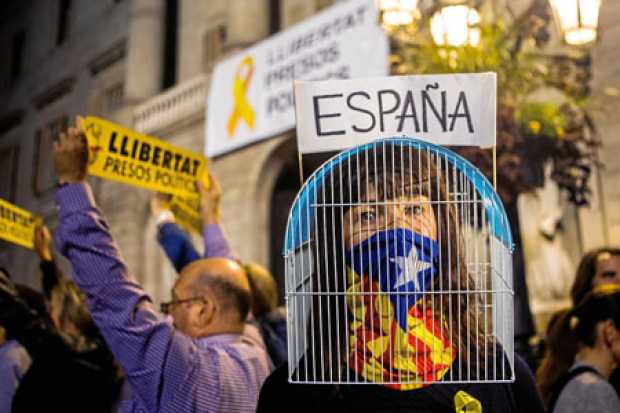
pixel 396 339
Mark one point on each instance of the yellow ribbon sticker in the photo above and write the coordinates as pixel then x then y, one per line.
pixel 17 225
pixel 242 109
pixel 466 403
pixel 124 155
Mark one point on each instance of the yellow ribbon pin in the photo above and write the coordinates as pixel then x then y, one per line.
pixel 242 109
pixel 466 403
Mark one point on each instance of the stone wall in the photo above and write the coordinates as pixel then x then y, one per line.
pixel 55 80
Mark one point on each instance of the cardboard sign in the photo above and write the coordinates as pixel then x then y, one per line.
pixel 17 225
pixel 451 109
pixel 123 155
pixel 251 94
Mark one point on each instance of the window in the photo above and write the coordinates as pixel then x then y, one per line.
pixel 8 172
pixel 64 10
pixel 213 46
pixel 113 98
pixel 17 54
pixel 170 44
pixel 44 175
pixel 274 16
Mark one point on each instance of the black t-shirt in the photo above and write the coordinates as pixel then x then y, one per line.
pixel 615 380
pixel 278 395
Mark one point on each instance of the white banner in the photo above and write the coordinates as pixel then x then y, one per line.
pixel 451 109
pixel 251 95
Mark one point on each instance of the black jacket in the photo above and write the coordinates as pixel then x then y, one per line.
pixel 65 376
pixel 278 395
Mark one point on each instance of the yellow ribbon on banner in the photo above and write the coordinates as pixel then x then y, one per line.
pixel 466 403
pixel 17 225
pixel 242 108
pixel 124 155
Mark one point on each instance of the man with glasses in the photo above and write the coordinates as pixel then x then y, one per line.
pixel 203 357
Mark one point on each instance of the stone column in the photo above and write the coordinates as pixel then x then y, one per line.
pixel 145 48
pixel 248 22
pixel 294 11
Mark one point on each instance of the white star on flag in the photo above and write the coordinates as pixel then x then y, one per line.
pixel 410 266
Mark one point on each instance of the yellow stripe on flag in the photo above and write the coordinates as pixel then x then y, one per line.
pixel 440 354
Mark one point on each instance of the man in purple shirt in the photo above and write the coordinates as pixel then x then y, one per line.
pixel 204 358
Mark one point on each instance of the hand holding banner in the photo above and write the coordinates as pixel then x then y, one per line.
pixel 17 225
pixel 130 157
pixel 452 109
pixel 187 213
pixel 124 155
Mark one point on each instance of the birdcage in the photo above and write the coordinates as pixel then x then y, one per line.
pixel 399 271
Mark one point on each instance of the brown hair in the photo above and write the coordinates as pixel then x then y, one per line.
pixel 385 167
pixel 72 306
pixel 586 272
pixel 570 328
pixel 263 289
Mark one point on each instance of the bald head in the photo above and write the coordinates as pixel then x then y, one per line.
pixel 222 279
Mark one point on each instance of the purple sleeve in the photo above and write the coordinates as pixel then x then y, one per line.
pixel 143 341
pixel 216 244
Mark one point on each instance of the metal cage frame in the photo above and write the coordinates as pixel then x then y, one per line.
pixel 486 240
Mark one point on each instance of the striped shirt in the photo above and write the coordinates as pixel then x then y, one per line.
pixel 168 371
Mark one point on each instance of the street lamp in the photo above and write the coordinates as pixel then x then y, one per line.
pixel 577 20
pixel 398 12
pixel 456 25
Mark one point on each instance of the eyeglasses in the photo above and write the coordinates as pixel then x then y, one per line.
pixel 165 307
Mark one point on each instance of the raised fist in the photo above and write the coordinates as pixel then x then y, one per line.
pixel 71 154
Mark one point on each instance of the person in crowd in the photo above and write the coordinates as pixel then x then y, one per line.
pixel 270 318
pixel 69 372
pixel 65 303
pixel 598 266
pixel 175 242
pixel 14 362
pixel 583 349
pixel 265 313
pixel 204 357
pixel 395 345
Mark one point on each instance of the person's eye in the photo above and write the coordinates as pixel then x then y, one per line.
pixel 608 274
pixel 414 210
pixel 367 216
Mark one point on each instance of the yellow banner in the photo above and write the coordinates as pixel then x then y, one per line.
pixel 130 157
pixel 17 224
pixel 187 213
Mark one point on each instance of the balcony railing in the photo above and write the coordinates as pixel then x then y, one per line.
pixel 181 102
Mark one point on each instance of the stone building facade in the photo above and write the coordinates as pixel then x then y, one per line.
pixel 147 64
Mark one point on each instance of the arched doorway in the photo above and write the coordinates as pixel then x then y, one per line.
pixel 287 185
pixel 282 197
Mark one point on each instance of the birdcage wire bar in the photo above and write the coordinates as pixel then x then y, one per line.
pixel 322 306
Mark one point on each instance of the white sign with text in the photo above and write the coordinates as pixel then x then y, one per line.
pixel 447 109
pixel 251 95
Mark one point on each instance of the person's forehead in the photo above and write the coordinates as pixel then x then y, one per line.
pixel 402 198
pixel 607 260
pixel 179 285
